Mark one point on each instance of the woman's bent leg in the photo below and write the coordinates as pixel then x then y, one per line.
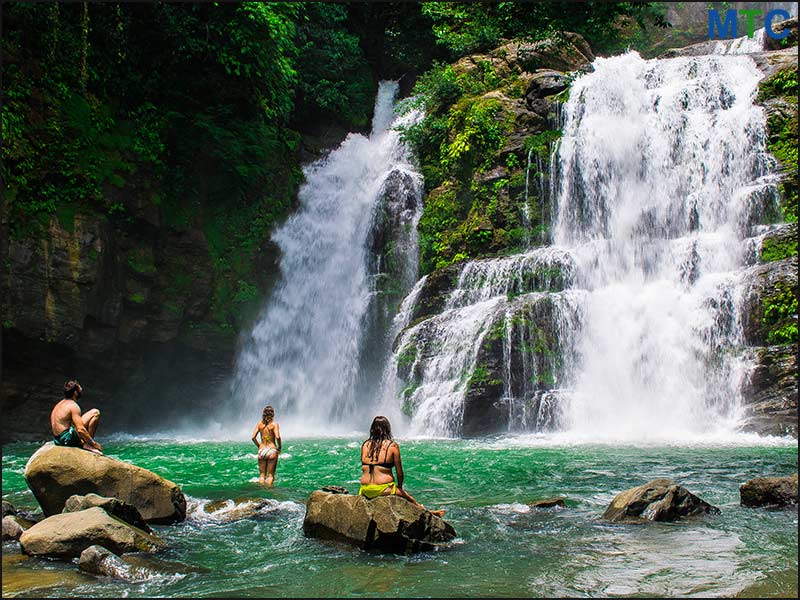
pixel 410 498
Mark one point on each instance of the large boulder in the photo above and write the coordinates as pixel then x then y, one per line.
pixel 656 500
pixel 769 491
pixel 68 534
pixel 386 523
pixel 113 506
pixel 55 473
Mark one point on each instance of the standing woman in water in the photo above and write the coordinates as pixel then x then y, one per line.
pixel 378 455
pixel 270 446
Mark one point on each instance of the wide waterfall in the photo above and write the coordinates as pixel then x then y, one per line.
pixel 307 353
pixel 628 326
pixel 663 173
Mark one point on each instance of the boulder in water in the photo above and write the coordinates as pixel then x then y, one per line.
pixel 113 506
pixel 769 491
pixel 68 534
pixel 8 509
pixel 55 473
pixel 386 523
pixel 656 500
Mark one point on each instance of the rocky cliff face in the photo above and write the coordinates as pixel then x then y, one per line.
pixel 125 308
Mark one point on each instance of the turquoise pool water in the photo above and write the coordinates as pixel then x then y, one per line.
pixel 503 548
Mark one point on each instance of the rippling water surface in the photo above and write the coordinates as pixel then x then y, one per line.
pixel 504 547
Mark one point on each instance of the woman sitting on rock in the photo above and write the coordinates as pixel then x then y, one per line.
pixel 378 455
pixel 270 446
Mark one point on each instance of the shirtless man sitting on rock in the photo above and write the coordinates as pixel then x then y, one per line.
pixel 70 428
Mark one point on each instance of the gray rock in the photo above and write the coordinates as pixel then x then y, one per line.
pixel 791 39
pixel 386 523
pixel 66 535
pixel 656 500
pixel 113 506
pixel 98 560
pixel 770 392
pixel 12 530
pixel 769 491
pixel 55 473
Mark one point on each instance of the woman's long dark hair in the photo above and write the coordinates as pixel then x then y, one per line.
pixel 379 431
pixel 267 415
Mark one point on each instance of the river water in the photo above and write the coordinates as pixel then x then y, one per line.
pixel 504 548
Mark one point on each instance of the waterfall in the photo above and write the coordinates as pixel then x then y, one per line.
pixel 663 173
pixel 306 352
pixel 629 325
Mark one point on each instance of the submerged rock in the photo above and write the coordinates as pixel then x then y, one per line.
pixel 656 500
pixel 236 509
pixel 549 503
pixel 769 491
pixel 386 523
pixel 98 560
pixel 68 534
pixel 55 473
pixel 113 506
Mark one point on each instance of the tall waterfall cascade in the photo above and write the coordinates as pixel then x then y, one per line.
pixel 628 326
pixel 305 354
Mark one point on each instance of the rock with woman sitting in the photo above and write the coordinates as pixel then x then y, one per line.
pixel 383 516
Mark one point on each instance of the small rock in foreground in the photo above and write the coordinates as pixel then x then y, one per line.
pixel 11 529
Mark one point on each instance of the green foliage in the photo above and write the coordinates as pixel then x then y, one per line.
pixel 777 249
pixel 782 141
pixel 464 27
pixel 780 315
pixel 141 261
pixel 479 376
pixel 540 144
pixel 335 81
pixel 782 83
pixel 407 356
